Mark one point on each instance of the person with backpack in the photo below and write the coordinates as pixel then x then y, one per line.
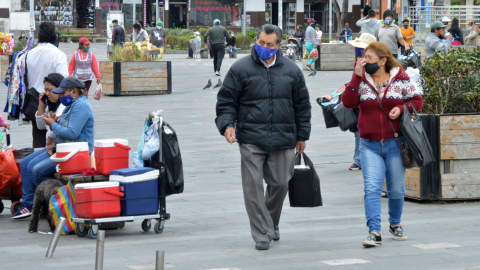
pixel 83 64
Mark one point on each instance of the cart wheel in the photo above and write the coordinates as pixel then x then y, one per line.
pixel 146 225
pixel 15 207
pixel 1 207
pixel 92 234
pixel 81 233
pixel 158 227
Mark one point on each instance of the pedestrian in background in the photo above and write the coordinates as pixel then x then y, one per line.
pixel 158 36
pixel 369 23
pixel 41 61
pixel 268 127
pixel 390 34
pixel 433 42
pixel 318 30
pixel 457 33
pixel 311 42
pixel 408 34
pixel 139 34
pixel 118 34
pixel 59 37
pixel 346 33
pixel 300 34
pixel 473 38
pixel 83 65
pixel 22 36
pixel 216 37
pixel 231 49
pixel 198 42
pixel 378 79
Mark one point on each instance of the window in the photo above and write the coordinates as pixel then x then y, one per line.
pixel 128 10
pixel 229 12
pixel 375 4
pixel 106 6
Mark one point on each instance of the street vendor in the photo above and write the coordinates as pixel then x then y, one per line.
pixel 159 35
pixel 139 34
pixel 83 64
pixel 434 42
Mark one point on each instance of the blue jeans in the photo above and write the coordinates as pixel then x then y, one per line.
pixel 232 51
pixel 356 154
pixel 380 161
pixel 34 169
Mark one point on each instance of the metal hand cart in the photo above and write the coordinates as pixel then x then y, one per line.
pixel 160 217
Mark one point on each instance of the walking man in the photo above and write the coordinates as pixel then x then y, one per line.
pixel 217 35
pixel 369 23
pixel 264 105
pixel 158 35
pixel 118 34
pixel 390 34
pixel 408 33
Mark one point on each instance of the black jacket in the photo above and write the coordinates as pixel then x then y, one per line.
pixel 118 35
pixel 232 42
pixel 270 108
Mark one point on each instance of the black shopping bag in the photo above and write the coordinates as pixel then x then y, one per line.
pixel 330 120
pixel 346 118
pixel 304 187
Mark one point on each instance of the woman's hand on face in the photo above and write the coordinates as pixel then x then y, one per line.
pixel 359 68
pixel 394 113
pixel 41 103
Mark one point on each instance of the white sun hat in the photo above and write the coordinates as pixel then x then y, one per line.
pixel 446 19
pixel 363 40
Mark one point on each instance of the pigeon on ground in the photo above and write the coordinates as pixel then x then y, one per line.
pixel 218 84
pixel 209 84
pixel 313 73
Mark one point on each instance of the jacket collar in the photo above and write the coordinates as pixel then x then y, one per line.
pixel 278 58
pixel 394 72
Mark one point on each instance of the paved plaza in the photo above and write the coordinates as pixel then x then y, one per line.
pixel 209 227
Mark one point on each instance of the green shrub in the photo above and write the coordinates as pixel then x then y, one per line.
pixel 252 32
pixel 183 43
pixel 186 32
pixel 176 32
pixel 242 41
pixel 202 31
pixel 451 82
pixel 285 36
pixel 325 40
pixel 172 41
pixel 19 45
pixel 148 29
pixel 117 54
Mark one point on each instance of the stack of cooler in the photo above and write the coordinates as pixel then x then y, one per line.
pixel 140 188
pixel 97 200
pixel 111 155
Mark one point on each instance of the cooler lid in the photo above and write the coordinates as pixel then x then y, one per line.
pixel 69 147
pixel 97 185
pixel 131 171
pixel 110 142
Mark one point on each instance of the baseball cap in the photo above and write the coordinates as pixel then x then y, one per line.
pixel 311 20
pixel 159 22
pixel 437 24
pixel 216 21
pixel 446 19
pixel 84 40
pixel 69 83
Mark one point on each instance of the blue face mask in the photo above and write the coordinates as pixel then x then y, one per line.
pixel 264 53
pixel 86 49
pixel 388 20
pixel 67 101
pixel 470 28
pixel 359 52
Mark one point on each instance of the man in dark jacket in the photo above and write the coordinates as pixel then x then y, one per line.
pixel 264 105
pixel 217 35
pixel 118 34
pixel 231 49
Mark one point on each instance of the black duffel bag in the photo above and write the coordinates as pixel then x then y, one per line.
pixel 346 118
pixel 416 138
pixel 304 187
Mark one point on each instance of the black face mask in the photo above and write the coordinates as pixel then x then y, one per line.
pixel 440 36
pixel 372 68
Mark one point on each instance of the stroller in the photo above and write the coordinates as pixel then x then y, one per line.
pixel 297 53
pixel 410 58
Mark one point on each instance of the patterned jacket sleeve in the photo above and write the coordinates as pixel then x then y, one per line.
pixel 411 94
pixel 351 97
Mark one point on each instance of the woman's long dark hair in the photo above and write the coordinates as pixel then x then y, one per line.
pixel 300 28
pixel 456 31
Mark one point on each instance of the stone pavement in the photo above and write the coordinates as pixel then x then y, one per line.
pixel 209 227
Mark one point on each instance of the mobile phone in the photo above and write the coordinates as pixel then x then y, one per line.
pixel 44 99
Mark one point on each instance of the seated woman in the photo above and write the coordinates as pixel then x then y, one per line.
pixel 38 167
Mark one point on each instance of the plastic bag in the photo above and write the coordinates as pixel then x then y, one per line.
pixel 152 142
pixel 141 143
pixel 98 92
pixel 173 160
pixel 9 174
pixel 314 54
pixel 346 118
pixel 137 161
pixel 304 187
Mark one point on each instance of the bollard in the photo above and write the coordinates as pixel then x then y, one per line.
pixel 56 236
pixel 160 262
pixel 100 246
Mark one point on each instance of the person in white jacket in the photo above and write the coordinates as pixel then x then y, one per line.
pixel 139 34
pixel 369 24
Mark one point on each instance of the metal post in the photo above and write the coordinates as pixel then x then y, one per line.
pixel 134 12
pixel 32 19
pixel 280 13
pixel 99 252
pixel 160 261
pixel 56 236
pixel 156 9
pixel 244 18
pixel 330 20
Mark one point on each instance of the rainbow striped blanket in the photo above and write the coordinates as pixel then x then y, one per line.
pixel 62 204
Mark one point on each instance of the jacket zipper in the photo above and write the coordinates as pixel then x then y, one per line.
pixel 271 107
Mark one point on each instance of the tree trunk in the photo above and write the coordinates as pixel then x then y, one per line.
pixel 336 8
pixel 341 16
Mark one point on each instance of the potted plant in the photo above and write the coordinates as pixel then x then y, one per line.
pixel 451 119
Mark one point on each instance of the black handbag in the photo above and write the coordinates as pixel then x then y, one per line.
pixel 330 120
pixel 416 138
pixel 407 158
pixel 346 118
pixel 30 104
pixel 304 187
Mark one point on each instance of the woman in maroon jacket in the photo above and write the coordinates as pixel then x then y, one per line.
pixel 379 75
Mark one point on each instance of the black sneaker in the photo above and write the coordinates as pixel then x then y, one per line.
pixel 398 233
pixel 354 167
pixel 372 240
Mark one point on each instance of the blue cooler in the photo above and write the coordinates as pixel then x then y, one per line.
pixel 140 188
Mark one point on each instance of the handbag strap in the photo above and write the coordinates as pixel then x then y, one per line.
pixel 390 122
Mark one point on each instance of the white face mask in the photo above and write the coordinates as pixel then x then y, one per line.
pixel 159 26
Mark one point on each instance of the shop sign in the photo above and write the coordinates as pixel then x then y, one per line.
pixel 210 6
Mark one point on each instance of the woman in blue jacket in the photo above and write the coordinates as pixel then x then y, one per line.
pixel 77 121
